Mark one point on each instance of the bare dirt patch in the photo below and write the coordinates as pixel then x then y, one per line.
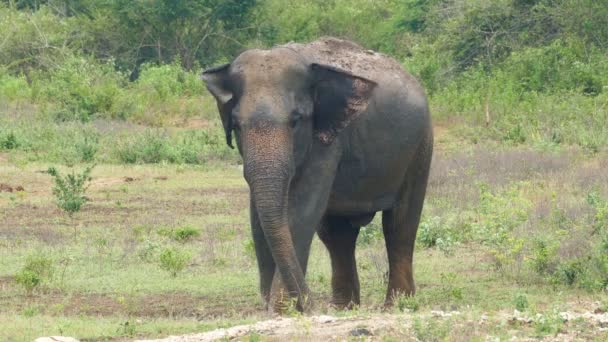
pixel 10 188
pixel 407 327
pixel 316 328
pixel 163 305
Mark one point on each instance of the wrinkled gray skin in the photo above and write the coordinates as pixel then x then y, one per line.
pixel 330 134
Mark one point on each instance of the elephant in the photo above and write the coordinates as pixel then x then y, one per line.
pixel 330 134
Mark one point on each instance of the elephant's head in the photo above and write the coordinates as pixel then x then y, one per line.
pixel 277 105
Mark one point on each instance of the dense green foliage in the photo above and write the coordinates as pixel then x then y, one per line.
pixel 484 63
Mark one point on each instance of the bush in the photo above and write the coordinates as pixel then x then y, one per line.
pixel 69 190
pixel 79 90
pixel 14 88
pixel 9 142
pixel 370 234
pixel 173 260
pixel 191 147
pixel 163 93
pixel 185 234
pixel 87 148
pixel 37 270
pixel 434 232
pixel 521 302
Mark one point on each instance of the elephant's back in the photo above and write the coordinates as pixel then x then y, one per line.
pixel 348 56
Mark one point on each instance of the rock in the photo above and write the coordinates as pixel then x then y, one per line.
pixel 444 314
pixel 567 316
pixel 360 332
pixel 56 339
pixel 325 319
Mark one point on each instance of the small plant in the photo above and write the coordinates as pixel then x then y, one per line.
pixel 431 330
pixel 87 148
pixel 451 292
pixel 9 142
pixel 542 255
pixel 37 270
pixel 149 251
pixel 28 279
pixel 548 324
pixel 434 233
pixel 521 302
pixel 249 246
pixel 369 234
pixel 409 303
pixel 185 234
pixel 69 190
pixel 173 260
pixel 127 328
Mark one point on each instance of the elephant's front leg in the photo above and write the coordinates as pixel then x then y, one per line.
pixel 308 198
pixel 266 264
pixel 306 213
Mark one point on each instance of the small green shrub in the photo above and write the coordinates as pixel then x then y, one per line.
pixel 185 234
pixel 434 232
pixel 249 247
pixel 174 260
pixel 370 234
pixel 431 330
pixel 497 216
pixel 69 190
pixel 156 146
pixel 37 270
pixel 542 256
pixel 409 303
pixel 80 89
pixel 87 148
pixel 14 88
pixel 451 291
pixel 521 302
pixel 127 328
pixel 149 251
pixel 28 279
pixel 548 324
pixel 9 142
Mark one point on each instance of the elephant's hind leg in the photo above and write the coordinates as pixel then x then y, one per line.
pixel 400 225
pixel 340 237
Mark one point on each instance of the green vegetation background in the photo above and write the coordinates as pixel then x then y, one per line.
pixel 77 74
pixel 517 211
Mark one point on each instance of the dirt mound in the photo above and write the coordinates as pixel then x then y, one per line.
pixel 575 326
pixel 319 328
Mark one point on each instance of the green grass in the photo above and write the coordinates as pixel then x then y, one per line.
pixel 106 257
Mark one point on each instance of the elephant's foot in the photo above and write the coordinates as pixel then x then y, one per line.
pixel 393 294
pixel 282 302
pixel 345 299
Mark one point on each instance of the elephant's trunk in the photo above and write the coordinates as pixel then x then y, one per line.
pixel 268 170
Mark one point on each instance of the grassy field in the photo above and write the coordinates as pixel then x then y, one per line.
pixel 501 227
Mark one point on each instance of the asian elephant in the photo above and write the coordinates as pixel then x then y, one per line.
pixel 330 134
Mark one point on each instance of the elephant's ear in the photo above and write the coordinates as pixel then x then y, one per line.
pixel 339 98
pixel 218 84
